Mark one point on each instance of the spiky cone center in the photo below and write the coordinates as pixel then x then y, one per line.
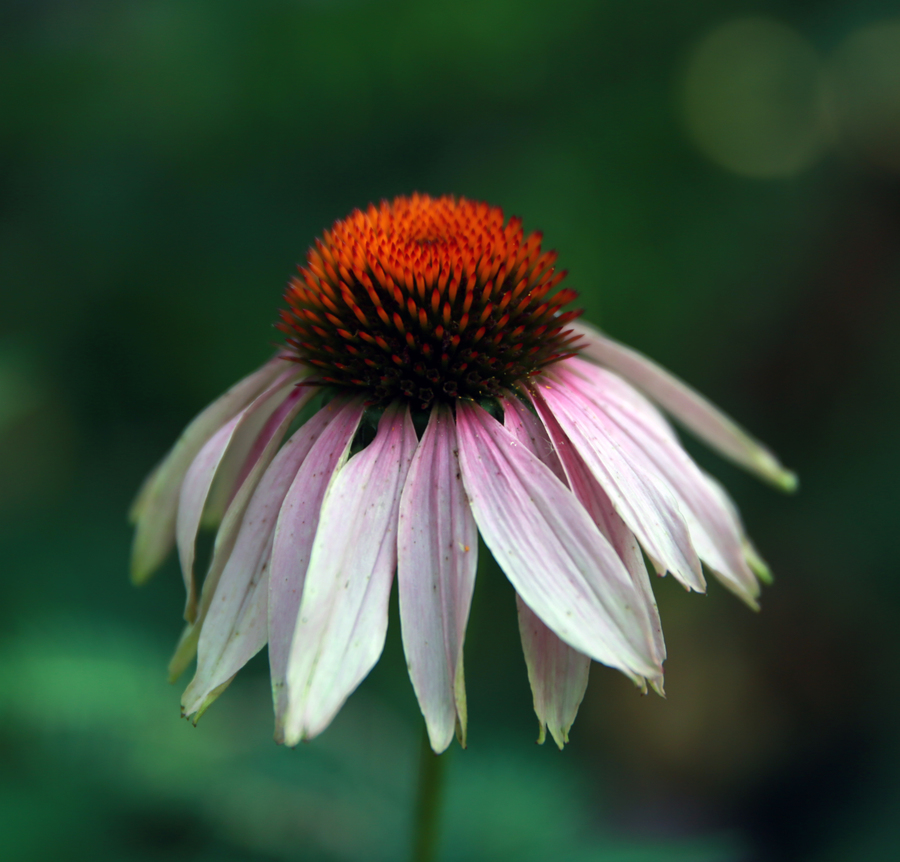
pixel 428 299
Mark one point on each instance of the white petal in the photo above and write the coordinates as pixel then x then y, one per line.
pixel 689 407
pixel 236 626
pixel 437 558
pixel 545 542
pixel 153 511
pixel 640 498
pixel 328 436
pixel 342 620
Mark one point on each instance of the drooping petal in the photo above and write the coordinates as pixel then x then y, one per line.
pixel 549 548
pixel 153 511
pixel 271 434
pixel 616 390
pixel 641 500
pixel 687 406
pixel 528 429
pixel 558 676
pixel 250 440
pixel 233 450
pixel 714 530
pixel 190 506
pixel 569 467
pixel 437 557
pixel 589 493
pixel 331 432
pixel 342 619
pixel 235 627
pixel 251 436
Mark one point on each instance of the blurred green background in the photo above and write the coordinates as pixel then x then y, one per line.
pixel 722 180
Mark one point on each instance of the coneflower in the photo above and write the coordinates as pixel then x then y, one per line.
pixel 457 396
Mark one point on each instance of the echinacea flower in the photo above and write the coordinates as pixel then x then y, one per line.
pixel 455 398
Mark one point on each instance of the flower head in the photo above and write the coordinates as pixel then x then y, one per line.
pixel 456 397
pixel 428 300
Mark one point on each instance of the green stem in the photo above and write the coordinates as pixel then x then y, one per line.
pixel 428 803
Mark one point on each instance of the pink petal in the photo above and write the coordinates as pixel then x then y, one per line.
pixel 557 673
pixel 641 499
pixel 600 508
pixel 343 614
pixel 236 626
pixel 331 432
pixel 272 433
pixel 153 511
pixel 528 429
pixel 546 543
pixel 437 558
pixel 251 431
pixel 615 390
pixel 714 530
pixel 687 406
pixel 250 438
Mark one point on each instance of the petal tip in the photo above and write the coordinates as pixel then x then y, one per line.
pixel 190 606
pixel 788 482
pixel 140 574
pixel 757 564
pixel 560 740
pixel 771 469
pixel 461 732
pixel 144 562
pixel 184 652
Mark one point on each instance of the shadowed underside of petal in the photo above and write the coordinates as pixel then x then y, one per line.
pixel 547 545
pixel 269 438
pixel 190 506
pixel 230 454
pixel 342 620
pixel 153 511
pixel 557 673
pixel 687 406
pixel 641 500
pixel 714 531
pixel 436 562
pixel 328 436
pixel 236 626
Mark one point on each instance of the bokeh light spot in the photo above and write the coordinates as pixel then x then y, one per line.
pixel 864 91
pixel 752 98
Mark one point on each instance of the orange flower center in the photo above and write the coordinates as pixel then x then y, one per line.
pixel 428 299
